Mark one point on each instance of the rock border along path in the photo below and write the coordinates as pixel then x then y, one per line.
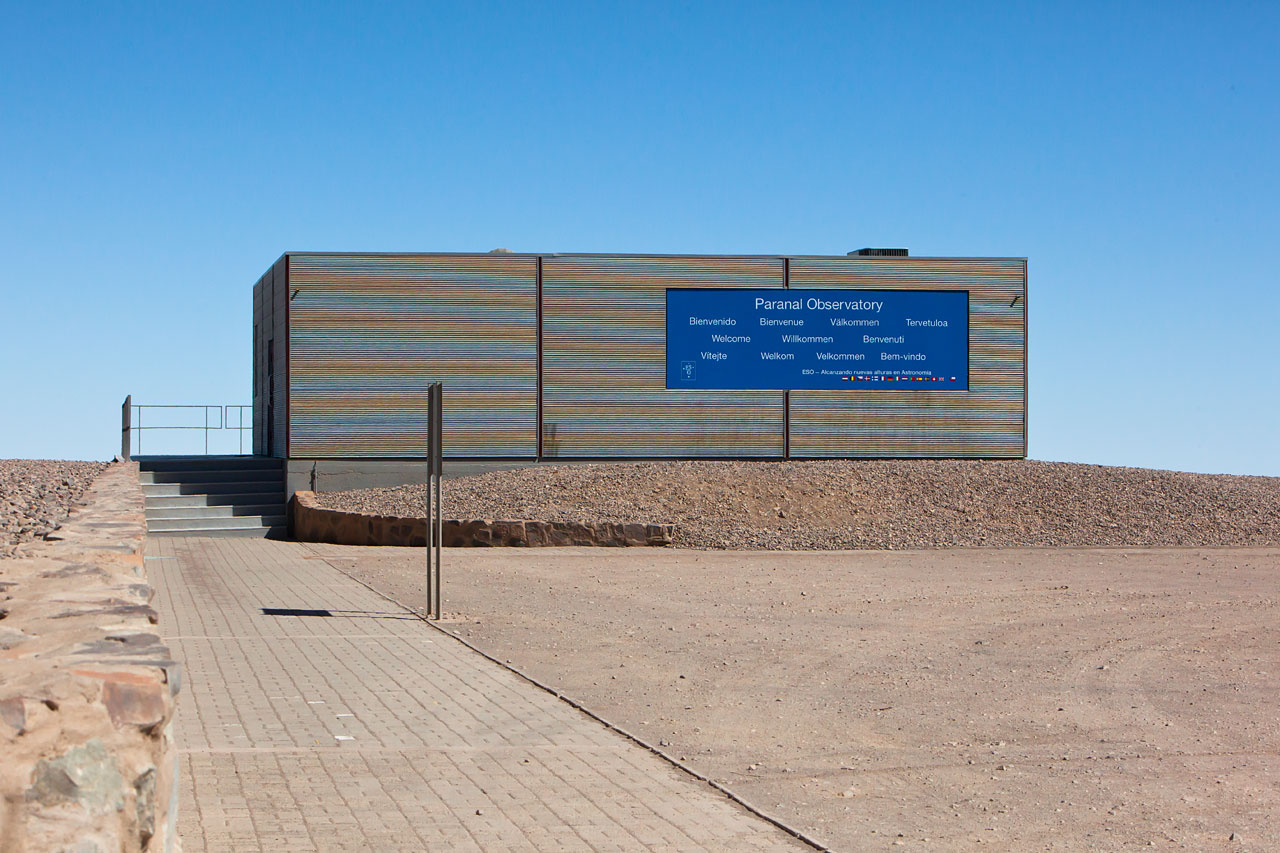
pixel 315 523
pixel 369 729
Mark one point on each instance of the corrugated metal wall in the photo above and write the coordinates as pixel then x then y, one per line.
pixel 988 420
pixel 604 362
pixel 369 332
pixel 271 332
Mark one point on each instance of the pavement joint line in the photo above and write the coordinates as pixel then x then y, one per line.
pixel 378 749
pixel 679 765
pixel 247 637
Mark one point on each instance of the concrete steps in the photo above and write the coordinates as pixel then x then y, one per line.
pixel 214 495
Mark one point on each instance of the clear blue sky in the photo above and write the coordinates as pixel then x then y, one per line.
pixel 156 158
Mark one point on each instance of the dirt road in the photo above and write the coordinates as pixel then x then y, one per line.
pixel 947 700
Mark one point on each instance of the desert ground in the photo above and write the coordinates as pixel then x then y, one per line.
pixel 1026 694
pixel 1031 699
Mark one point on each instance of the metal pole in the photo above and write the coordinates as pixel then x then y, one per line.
pixel 437 453
pixel 435 395
pixel 435 510
pixel 431 501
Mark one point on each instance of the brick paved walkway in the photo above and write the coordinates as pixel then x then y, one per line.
pixel 369 730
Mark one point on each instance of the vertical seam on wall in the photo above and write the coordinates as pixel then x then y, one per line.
pixel 288 397
pixel 786 394
pixel 538 321
pixel 1026 367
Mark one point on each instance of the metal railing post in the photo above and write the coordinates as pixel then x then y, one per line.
pixel 126 420
pixel 131 423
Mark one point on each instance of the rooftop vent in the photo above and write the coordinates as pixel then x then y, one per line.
pixel 880 253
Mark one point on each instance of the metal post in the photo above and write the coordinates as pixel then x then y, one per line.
pixel 439 503
pixel 437 465
pixel 431 534
pixel 126 418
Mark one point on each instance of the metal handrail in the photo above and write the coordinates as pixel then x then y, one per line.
pixel 239 409
pixel 131 420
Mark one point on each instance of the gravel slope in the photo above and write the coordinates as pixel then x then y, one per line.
pixel 870 504
pixel 37 494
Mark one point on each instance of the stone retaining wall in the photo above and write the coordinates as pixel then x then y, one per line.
pixel 314 523
pixel 87 689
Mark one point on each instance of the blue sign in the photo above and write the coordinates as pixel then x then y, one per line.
pixel 820 340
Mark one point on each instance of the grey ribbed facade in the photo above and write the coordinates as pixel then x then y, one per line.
pixel 270 362
pixel 562 357
pixel 368 333
pixel 988 420
pixel 604 363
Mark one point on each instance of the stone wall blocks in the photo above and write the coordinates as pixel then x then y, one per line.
pixel 144 787
pixel 80 570
pixel 508 532
pixel 558 536
pixel 13 713
pixel 84 774
pixel 660 534
pixel 11 638
pixel 115 608
pixel 536 533
pixel 144 706
pixel 87 687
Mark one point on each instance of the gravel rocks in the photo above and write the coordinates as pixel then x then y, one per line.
pixel 37 494
pixel 875 504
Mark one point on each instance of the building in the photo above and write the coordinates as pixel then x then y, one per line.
pixel 572 357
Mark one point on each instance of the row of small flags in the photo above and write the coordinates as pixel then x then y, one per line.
pixel 897 378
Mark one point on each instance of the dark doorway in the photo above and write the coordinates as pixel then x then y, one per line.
pixel 271 397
